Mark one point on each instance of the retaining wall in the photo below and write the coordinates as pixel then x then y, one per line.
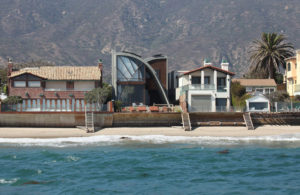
pixel 52 119
pixel 146 119
pixel 289 118
pixel 217 118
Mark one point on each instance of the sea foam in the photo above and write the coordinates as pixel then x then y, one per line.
pixel 150 139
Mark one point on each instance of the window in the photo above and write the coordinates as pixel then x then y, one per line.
pixel 207 80
pixel 259 90
pixel 34 83
pixel 296 66
pixel 70 85
pixel 248 89
pixel 272 90
pixel 289 66
pixel 267 91
pixel 196 80
pixel 157 71
pixel 19 83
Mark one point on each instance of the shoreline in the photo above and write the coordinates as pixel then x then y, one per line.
pixel 44 133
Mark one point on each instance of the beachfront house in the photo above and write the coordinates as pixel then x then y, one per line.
pixel 205 89
pixel 258 103
pixel 53 88
pixel 258 86
pixel 291 75
pixel 139 81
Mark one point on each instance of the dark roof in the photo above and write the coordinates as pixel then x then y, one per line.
pixel 211 67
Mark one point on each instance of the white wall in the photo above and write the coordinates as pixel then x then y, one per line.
pixel 184 80
pixel 84 85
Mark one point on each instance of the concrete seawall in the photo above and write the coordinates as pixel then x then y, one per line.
pixel 59 119
pixel 52 119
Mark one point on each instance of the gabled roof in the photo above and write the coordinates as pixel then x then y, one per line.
pixel 256 82
pixel 62 72
pixel 211 67
pixel 258 98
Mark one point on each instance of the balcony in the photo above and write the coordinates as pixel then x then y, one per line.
pixel 204 87
pixel 198 87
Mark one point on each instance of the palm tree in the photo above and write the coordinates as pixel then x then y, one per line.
pixel 269 53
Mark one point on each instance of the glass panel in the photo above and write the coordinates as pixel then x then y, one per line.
pixel 38 106
pixel 73 105
pixel 53 105
pixel 129 69
pixel 77 105
pixel 34 84
pixel 196 80
pixel 28 104
pixel 82 105
pixel 58 105
pixel 33 105
pixel 19 84
pixel 130 66
pixel 68 105
pixel 24 105
pixel 207 80
pixel 48 105
pixel 44 105
pixel 63 105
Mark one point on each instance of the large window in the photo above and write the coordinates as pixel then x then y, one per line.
pixel 34 83
pixel 19 83
pixel 129 69
pixel 196 80
pixel 289 66
pixel 207 80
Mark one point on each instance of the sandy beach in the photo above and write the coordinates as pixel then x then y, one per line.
pixel 8 132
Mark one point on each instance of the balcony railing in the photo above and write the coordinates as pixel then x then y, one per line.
pixel 199 87
pixel 204 87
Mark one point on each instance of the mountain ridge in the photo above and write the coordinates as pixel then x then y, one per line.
pixel 78 32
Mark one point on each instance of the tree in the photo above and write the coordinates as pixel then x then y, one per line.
pixel 11 100
pixel 99 95
pixel 269 53
pixel 238 95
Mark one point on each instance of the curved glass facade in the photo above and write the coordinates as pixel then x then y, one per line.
pixel 135 83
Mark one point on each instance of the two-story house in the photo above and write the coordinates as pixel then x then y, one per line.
pixel 292 73
pixel 205 89
pixel 53 88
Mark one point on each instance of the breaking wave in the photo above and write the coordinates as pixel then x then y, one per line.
pixel 149 139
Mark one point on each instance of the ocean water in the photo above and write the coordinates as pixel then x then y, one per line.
pixel 151 165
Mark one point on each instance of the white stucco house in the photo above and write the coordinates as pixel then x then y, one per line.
pixel 206 89
pixel 258 103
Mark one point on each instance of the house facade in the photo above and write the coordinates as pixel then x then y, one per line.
pixel 53 88
pixel 138 81
pixel 292 73
pixel 258 86
pixel 206 89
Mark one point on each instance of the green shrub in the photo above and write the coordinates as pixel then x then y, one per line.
pixel 12 100
pixel 237 89
pixel 118 106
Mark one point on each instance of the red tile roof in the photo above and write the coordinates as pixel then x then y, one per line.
pixel 211 67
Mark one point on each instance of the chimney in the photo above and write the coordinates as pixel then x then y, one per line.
pixel 207 62
pixel 100 66
pixel 9 67
pixel 224 64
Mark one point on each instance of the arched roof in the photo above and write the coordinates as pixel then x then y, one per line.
pixel 152 71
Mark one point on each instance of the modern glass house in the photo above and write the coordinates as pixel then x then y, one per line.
pixel 139 81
